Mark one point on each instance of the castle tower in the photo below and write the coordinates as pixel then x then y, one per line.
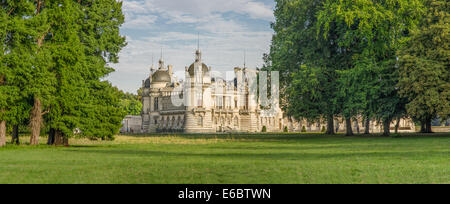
pixel 198 96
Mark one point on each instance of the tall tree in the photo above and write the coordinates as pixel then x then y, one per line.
pixel 3 70
pixel 103 42
pixel 40 80
pixel 18 52
pixel 372 32
pixel 55 55
pixel 425 66
pixel 307 62
pixel 3 104
pixel 83 101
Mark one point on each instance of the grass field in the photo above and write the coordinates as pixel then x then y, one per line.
pixel 236 159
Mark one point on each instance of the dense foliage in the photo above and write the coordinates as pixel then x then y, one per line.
pixel 54 55
pixel 425 64
pixel 130 103
pixel 340 59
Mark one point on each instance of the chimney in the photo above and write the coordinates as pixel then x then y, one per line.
pixel 170 68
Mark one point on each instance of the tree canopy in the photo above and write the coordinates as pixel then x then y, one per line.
pixel 425 65
pixel 341 58
pixel 55 56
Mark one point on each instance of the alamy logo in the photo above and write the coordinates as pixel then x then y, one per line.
pixel 248 89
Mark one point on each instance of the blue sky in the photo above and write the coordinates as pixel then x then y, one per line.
pixel 227 29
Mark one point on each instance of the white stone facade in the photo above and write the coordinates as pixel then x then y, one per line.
pixel 211 104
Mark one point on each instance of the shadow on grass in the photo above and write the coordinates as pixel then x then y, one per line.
pixel 286 136
pixel 272 156
pixel 86 146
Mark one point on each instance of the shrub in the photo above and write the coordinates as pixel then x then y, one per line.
pixel 286 129
pixel 303 129
pixel 324 129
pixel 264 129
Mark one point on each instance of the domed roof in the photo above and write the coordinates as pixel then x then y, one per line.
pixel 161 76
pixel 191 69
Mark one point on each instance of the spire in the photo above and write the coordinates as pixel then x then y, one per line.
pixel 198 53
pixel 161 60
pixel 152 69
pixel 245 59
pixel 198 40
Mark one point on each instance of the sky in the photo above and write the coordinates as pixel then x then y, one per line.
pixel 226 28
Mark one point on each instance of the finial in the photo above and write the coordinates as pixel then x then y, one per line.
pixel 161 61
pixel 245 58
pixel 198 40
pixel 152 68
pixel 198 53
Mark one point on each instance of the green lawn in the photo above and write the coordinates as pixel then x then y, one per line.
pixel 236 159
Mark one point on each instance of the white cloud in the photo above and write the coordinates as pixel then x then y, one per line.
pixel 173 25
pixel 192 11
pixel 137 6
pixel 259 10
pixel 219 25
pixel 139 21
pixel 202 8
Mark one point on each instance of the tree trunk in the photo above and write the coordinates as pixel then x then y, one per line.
pixel 36 121
pixel 357 126
pixel 15 135
pixel 386 127
pixel 60 139
pixel 428 126
pixel 367 124
pixel 397 125
pixel 337 125
pixel 66 141
pixel 2 133
pixel 348 124
pixel 51 137
pixel 422 127
pixel 330 125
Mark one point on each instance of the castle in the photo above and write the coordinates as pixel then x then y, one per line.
pixel 207 104
pixel 203 103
